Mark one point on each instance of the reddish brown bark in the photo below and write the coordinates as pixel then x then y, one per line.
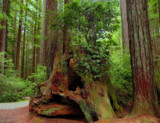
pixel 34 50
pixel 27 58
pixel 19 41
pixel 3 34
pixel 14 43
pixel 23 48
pixel 3 30
pixel 51 42
pixel 145 98
pixel 37 49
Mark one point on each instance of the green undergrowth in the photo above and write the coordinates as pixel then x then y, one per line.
pixel 13 89
pixel 121 76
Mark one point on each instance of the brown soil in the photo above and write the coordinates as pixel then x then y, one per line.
pixel 21 115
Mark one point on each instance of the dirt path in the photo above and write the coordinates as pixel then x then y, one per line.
pixel 20 115
pixel 14 105
pixel 13 115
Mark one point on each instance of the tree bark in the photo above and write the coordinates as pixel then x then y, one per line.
pixel 34 49
pixel 38 49
pixel 51 42
pixel 7 29
pixel 19 41
pixel 3 35
pixel 145 98
pixel 27 57
pixel 43 34
pixel 24 40
pixel 125 35
pixel 14 39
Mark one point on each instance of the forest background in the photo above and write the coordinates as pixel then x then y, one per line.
pixel 28 33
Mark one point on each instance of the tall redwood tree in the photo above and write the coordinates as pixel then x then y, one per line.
pixel 3 34
pixel 19 41
pixel 51 34
pixel 145 98
pixel 24 41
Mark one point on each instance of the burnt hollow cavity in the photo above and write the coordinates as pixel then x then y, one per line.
pixel 66 101
pixel 62 100
pixel 74 80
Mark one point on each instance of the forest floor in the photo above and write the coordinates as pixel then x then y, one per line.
pixel 17 113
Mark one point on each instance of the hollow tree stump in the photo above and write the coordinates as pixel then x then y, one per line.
pixel 67 93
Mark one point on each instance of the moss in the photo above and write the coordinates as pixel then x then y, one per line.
pixel 86 112
pixel 49 111
pixel 42 89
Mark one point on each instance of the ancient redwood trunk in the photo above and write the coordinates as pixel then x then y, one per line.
pixel 51 33
pixel 145 98
pixel 125 35
pixel 19 41
pixel 3 34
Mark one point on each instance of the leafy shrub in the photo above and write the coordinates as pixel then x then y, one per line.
pixel 121 76
pixel 93 22
pixel 34 79
pixel 39 75
pixel 12 88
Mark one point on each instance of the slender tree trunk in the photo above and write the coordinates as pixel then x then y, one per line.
pixel 125 35
pixel 3 35
pixel 42 45
pixel 23 54
pixel 37 56
pixel 145 98
pixel 37 49
pixel 27 57
pixel 34 50
pixel 24 41
pixel 14 38
pixel 7 30
pixel 38 31
pixel 19 41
